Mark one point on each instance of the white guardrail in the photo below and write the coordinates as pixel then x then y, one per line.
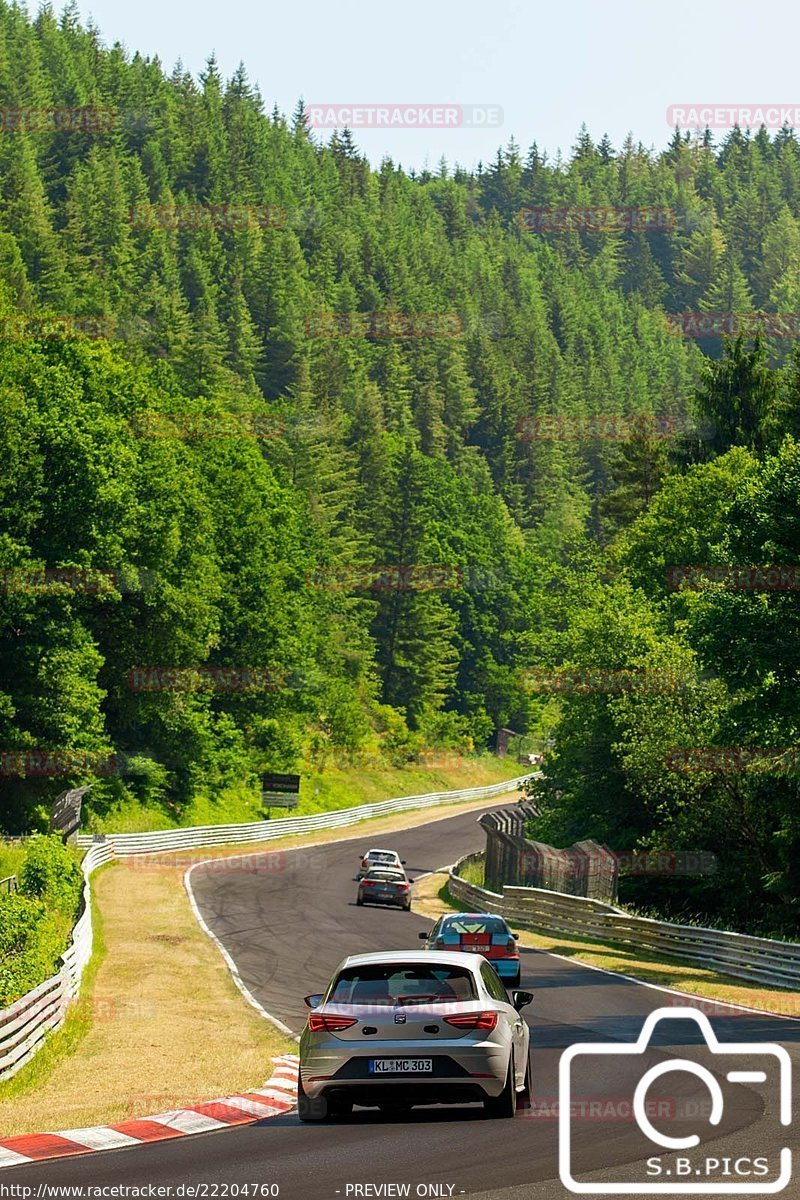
pixel 261 831
pixel 25 1025
pixel 755 959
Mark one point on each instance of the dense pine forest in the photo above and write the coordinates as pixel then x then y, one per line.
pixel 241 527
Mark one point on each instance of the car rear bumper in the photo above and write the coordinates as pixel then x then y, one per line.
pixel 472 1071
pixel 507 968
pixel 400 899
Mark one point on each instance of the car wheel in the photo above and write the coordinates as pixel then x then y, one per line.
pixel 308 1108
pixel 406 908
pixel 359 901
pixel 504 1105
pixel 516 980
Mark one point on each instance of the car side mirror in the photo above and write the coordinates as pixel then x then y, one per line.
pixel 314 1000
pixel 403 861
pixel 356 879
pixel 423 937
pixel 515 937
pixel 520 999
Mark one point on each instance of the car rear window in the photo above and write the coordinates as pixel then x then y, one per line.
pixel 476 925
pixel 406 983
pixel 394 876
pixel 380 857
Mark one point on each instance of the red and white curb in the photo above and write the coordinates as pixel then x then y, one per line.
pixel 278 1096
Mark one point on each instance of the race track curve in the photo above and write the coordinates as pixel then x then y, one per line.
pixel 287 925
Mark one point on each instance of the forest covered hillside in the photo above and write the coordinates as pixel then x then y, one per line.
pixel 303 457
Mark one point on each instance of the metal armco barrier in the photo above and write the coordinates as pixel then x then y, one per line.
pixel 24 1026
pixel 262 831
pixel 755 959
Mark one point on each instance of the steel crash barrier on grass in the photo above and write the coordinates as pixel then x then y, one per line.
pixel 755 959
pixel 25 1025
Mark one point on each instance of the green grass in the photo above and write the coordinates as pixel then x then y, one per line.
pixel 473 872
pixel 11 857
pixel 320 791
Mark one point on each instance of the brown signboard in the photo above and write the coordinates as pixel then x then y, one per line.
pixel 281 790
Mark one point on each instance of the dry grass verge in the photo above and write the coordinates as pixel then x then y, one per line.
pixel 160 1023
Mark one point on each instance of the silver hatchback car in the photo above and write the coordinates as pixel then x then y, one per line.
pixel 401 1028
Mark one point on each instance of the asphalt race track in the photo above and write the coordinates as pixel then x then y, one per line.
pixel 288 924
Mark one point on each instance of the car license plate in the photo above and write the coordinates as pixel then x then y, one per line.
pixel 400 1066
pixel 478 948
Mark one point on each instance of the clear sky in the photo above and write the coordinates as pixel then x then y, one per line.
pixel 617 65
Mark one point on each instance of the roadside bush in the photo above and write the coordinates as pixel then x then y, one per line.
pixel 51 874
pixel 31 940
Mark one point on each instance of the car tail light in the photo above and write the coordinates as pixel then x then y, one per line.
pixel 473 1020
pixel 368 883
pixel 439 942
pixel 331 1024
pixel 511 944
pixel 402 887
